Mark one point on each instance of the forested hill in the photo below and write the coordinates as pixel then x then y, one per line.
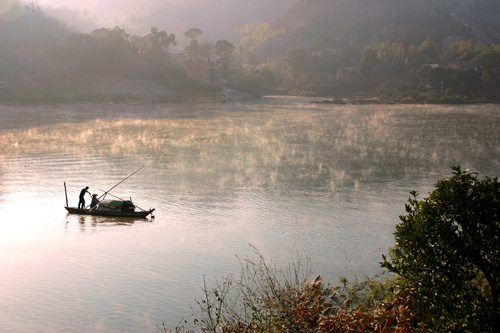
pixel 320 47
pixel 27 37
pixel 343 23
pixel 366 21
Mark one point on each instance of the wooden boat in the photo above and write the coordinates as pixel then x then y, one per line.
pixel 116 208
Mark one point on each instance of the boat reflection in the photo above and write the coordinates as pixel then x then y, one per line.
pixel 91 223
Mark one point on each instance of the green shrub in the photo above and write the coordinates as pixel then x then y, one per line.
pixel 447 253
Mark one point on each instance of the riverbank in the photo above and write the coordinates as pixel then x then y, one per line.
pixel 140 91
pixel 119 90
pixel 382 101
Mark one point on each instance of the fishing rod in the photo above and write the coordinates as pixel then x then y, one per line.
pixel 106 192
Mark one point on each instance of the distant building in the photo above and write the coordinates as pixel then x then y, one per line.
pixel 203 71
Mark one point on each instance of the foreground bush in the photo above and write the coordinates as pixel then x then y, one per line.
pixel 265 298
pixel 447 253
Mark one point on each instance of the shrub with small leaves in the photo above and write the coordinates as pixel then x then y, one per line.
pixel 447 253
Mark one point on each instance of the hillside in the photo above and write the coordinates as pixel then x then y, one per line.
pixel 356 23
pixel 313 47
pixel 27 38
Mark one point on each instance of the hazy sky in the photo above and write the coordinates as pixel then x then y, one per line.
pixel 216 18
pixel 105 9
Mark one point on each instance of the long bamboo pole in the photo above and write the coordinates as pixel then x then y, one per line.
pixel 106 192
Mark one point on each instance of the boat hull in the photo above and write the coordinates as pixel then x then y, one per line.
pixel 97 212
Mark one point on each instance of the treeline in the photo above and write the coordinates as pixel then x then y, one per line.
pixel 462 71
pixel 378 47
pixel 41 61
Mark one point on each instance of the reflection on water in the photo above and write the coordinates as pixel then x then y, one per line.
pixel 90 223
pixel 281 174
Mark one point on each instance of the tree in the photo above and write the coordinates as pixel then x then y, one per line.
pixel 447 253
pixel 368 62
pixel 463 81
pixel 206 50
pixel 161 40
pixel 193 33
pixel 161 67
pixel 193 48
pixel 426 52
pixel 297 64
pixel 223 49
pixel 81 54
pixel 489 61
pixel 115 50
pixel 462 50
pixel 261 41
pixel 392 61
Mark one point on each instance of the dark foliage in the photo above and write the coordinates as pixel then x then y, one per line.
pixel 447 253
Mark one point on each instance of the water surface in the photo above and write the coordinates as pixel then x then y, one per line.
pixel 288 177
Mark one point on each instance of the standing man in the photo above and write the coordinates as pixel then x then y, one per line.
pixel 82 197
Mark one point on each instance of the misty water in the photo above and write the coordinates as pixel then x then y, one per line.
pixel 288 177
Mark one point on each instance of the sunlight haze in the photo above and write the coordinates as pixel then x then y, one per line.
pixel 244 166
pixel 217 19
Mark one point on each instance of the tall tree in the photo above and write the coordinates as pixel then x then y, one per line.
pixel 161 40
pixel 161 68
pixel 193 48
pixel 193 33
pixel 224 49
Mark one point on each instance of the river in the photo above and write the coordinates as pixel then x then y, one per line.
pixel 287 177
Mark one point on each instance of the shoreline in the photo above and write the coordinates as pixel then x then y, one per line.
pixel 225 95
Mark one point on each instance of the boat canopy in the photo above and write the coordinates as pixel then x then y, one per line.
pixel 112 203
pixel 116 204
